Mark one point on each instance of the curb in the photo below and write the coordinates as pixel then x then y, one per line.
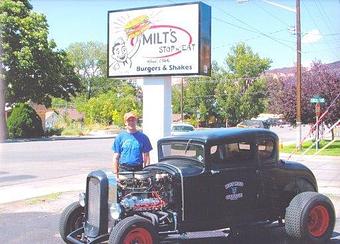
pixel 61 138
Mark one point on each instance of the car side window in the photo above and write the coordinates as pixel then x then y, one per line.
pixel 235 153
pixel 265 148
pixel 217 154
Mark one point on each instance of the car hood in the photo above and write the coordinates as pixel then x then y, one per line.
pixel 186 167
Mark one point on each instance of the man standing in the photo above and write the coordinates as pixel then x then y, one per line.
pixel 131 147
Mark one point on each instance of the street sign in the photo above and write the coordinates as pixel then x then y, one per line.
pixel 317 99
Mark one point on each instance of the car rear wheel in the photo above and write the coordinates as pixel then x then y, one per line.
pixel 134 229
pixel 310 216
pixel 72 218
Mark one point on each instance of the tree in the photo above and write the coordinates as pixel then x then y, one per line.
pixel 240 94
pixel 176 99
pixel 319 80
pixel 3 128
pixel 230 95
pixel 199 99
pixel 90 62
pixel 242 62
pixel 31 66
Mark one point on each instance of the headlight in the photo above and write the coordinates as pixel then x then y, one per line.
pixel 82 197
pixel 115 210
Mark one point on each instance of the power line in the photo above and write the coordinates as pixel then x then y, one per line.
pixel 326 17
pixel 268 12
pixel 249 39
pixel 252 29
pixel 257 32
pixel 321 50
pixel 317 26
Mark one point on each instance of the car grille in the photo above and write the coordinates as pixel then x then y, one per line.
pixel 93 214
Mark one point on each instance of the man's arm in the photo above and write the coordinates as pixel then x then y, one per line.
pixel 116 163
pixel 146 159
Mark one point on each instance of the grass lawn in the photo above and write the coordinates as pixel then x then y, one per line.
pixel 332 150
pixel 46 198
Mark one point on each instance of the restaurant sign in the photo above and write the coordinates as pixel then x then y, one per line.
pixel 157 41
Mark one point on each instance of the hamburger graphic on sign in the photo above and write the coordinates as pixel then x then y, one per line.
pixel 137 26
pixel 168 40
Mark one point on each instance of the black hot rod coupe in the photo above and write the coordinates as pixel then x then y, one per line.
pixel 204 180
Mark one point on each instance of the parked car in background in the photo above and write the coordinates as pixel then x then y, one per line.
pixel 180 128
pixel 253 123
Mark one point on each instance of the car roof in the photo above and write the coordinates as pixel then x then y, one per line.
pixel 217 135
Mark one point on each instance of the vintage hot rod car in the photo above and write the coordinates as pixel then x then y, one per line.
pixel 204 180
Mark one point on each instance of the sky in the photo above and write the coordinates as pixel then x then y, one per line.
pixel 267 26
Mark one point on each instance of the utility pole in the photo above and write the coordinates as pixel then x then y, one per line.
pixel 298 75
pixel 182 100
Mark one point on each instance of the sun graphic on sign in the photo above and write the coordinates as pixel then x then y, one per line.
pixel 134 27
pixel 128 31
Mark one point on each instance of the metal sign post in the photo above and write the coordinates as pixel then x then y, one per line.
pixel 317 100
pixel 156 110
pixel 317 113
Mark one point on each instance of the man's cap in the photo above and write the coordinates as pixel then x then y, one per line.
pixel 129 115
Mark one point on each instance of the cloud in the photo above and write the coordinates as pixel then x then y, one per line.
pixel 312 36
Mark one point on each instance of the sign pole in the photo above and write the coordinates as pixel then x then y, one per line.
pixel 317 100
pixel 317 113
pixel 156 110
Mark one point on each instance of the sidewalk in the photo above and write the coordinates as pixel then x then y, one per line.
pixel 25 191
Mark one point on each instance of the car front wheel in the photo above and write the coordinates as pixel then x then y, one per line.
pixel 310 216
pixel 71 218
pixel 134 229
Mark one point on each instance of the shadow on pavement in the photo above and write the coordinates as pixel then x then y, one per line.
pixel 273 234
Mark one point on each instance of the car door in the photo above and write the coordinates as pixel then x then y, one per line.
pixel 233 180
pixel 267 155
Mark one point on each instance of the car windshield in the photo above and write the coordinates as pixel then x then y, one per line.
pixel 185 149
pixel 252 122
pixel 184 128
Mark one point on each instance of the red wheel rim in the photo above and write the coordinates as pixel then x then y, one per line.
pixel 318 221
pixel 138 235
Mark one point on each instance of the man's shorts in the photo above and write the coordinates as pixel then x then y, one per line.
pixel 124 167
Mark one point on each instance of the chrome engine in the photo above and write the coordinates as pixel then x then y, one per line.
pixel 145 190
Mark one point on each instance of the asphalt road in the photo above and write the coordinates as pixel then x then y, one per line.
pixel 31 161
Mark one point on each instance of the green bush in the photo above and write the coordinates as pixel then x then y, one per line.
pixel 109 108
pixel 53 132
pixel 24 122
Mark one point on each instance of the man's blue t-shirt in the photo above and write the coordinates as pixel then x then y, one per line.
pixel 130 146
